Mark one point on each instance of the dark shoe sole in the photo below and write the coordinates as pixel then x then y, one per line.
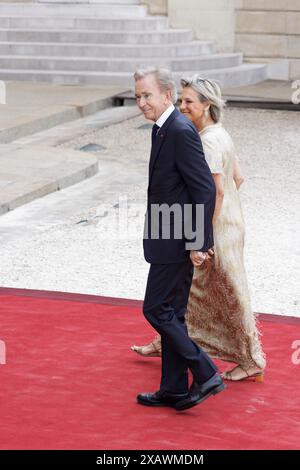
pixel 188 405
pixel 147 403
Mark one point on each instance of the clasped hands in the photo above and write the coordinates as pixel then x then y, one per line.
pixel 198 257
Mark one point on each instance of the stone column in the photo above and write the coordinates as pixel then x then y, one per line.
pixel 210 20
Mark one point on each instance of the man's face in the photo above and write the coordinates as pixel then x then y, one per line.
pixel 150 99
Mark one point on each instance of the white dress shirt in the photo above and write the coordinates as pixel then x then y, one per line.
pixel 160 121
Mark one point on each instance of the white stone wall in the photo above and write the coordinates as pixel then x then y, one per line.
pixel 210 20
pixel 284 5
pixel 269 31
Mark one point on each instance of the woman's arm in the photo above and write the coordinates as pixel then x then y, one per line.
pixel 237 174
pixel 219 195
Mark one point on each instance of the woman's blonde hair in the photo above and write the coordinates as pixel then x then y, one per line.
pixel 207 90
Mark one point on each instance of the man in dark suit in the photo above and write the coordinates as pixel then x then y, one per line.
pixel 178 234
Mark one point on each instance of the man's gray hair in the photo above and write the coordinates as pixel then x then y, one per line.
pixel 163 77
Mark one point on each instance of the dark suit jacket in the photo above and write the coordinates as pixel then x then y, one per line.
pixel 178 174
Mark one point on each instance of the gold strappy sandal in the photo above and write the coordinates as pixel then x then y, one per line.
pixel 257 376
pixel 150 350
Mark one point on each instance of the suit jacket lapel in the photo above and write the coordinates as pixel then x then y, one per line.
pixel 159 141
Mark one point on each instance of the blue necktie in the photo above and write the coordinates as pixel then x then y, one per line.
pixel 155 130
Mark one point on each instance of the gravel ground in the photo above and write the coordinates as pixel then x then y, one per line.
pixel 90 251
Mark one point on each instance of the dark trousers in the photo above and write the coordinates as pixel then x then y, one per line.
pixel 166 298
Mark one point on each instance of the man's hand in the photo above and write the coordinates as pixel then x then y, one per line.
pixel 198 257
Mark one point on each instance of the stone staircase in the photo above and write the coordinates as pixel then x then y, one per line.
pixel 268 31
pixel 102 42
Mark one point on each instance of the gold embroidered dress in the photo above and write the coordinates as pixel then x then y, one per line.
pixel 219 314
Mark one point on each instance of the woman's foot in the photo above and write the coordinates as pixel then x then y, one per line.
pixel 150 350
pixel 239 373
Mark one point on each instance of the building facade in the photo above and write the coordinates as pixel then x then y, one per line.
pixel 266 31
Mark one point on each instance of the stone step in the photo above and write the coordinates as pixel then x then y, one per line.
pixel 268 45
pixel 241 75
pixel 280 68
pixel 103 42
pixel 145 51
pixel 80 64
pixel 244 74
pixel 167 36
pixel 284 5
pixel 28 176
pixel 56 10
pixel 149 23
pixel 274 22
pixel 209 62
pixel 35 107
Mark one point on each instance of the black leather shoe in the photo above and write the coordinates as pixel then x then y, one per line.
pixel 200 392
pixel 160 398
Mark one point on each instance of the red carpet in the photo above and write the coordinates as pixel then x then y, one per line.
pixel 70 382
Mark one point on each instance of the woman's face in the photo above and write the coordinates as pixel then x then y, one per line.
pixel 191 106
